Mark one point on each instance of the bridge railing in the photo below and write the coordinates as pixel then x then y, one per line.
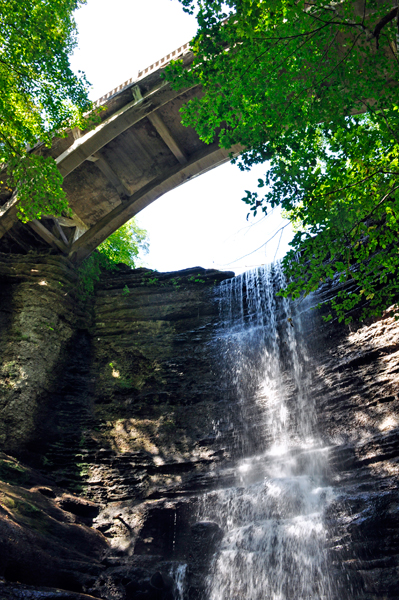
pixel 143 73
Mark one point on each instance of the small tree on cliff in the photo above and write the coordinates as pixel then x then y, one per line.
pixel 311 87
pixel 122 246
pixel 40 97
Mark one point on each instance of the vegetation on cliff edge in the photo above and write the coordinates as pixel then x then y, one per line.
pixel 122 246
pixel 311 88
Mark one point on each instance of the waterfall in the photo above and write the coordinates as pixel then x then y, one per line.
pixel 272 518
pixel 178 574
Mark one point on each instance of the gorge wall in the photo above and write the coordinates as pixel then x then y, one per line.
pixel 117 416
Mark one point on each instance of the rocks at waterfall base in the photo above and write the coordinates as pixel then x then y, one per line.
pixel 46 535
pixel 115 418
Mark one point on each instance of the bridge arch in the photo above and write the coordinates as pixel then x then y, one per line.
pixel 138 152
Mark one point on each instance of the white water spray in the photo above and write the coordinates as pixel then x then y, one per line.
pixel 274 535
pixel 178 573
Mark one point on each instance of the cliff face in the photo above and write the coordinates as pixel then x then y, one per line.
pixel 38 318
pixel 355 388
pixel 120 416
pixel 116 403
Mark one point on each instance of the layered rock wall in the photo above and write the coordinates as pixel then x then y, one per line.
pixel 117 403
pixel 38 318
pixel 122 411
pixel 355 387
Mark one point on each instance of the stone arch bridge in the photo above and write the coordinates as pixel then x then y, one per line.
pixel 138 152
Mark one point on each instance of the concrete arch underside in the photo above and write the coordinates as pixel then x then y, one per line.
pixel 138 152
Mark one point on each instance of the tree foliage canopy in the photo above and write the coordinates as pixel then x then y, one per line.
pixel 40 96
pixel 122 246
pixel 125 244
pixel 312 88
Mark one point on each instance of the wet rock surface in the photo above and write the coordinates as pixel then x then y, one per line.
pixel 355 388
pixel 116 418
pixel 18 591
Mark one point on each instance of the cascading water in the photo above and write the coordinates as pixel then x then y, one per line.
pixel 178 574
pixel 272 519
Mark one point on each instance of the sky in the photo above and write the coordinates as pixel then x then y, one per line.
pixel 203 222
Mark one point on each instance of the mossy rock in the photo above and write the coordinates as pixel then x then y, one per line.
pixel 12 472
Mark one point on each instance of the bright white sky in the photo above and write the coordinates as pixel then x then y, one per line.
pixel 202 223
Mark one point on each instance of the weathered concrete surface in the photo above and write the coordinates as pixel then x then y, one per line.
pixel 136 152
pixel 129 410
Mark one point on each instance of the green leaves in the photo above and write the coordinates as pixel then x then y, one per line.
pixel 288 81
pixel 122 246
pixel 40 96
pixel 39 187
pixel 351 223
pixel 125 244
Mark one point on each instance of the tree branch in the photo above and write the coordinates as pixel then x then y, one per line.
pixel 318 83
pixel 383 199
pixel 262 246
pixel 381 24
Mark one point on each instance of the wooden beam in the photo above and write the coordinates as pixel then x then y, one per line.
pixel 205 160
pixel 116 124
pixel 8 214
pixel 59 231
pixel 112 177
pixel 165 133
pixel 47 236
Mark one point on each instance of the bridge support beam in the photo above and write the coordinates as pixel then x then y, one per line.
pixel 8 214
pixel 167 137
pixel 205 160
pixel 47 236
pixel 112 177
pixel 91 142
pixel 154 155
pixel 116 124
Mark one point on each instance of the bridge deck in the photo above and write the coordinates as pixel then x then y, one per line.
pixel 138 152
